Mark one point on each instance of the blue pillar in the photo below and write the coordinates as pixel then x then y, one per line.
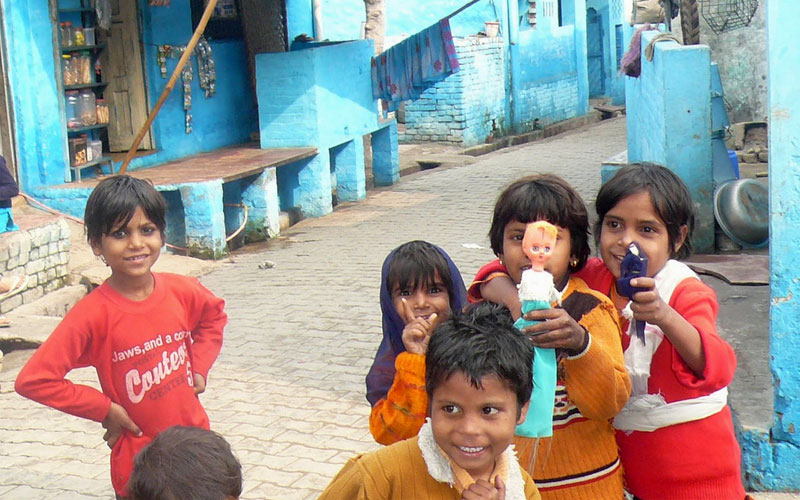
pixel 305 186
pixel 205 220
pixel 772 458
pixel 260 196
pixel 347 161
pixel 385 157
pixel 669 122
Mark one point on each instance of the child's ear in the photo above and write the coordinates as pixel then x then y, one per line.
pixel 684 231
pixel 96 248
pixel 523 412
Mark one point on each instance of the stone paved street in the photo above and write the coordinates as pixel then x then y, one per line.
pixel 288 388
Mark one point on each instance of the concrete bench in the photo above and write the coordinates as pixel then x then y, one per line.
pixel 206 195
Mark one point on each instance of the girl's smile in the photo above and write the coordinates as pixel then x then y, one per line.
pixel 634 218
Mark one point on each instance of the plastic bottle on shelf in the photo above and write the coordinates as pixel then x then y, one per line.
pixel 87 107
pixel 68 70
pixel 83 66
pixel 66 34
pixel 72 100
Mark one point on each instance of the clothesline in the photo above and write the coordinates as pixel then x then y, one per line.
pixel 461 8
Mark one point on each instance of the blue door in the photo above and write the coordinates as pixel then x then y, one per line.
pixel 594 52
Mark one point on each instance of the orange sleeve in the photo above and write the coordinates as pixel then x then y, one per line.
pixel 402 412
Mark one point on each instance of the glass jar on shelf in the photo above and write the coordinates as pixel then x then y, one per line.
pixel 94 148
pixel 78 38
pixel 102 111
pixel 72 100
pixel 77 151
pixel 83 67
pixel 88 36
pixel 87 110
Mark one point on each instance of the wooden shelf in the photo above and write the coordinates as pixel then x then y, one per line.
pixel 98 161
pixel 76 9
pixel 82 48
pixel 85 86
pixel 73 130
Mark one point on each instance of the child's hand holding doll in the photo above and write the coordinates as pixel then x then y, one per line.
pixel 555 329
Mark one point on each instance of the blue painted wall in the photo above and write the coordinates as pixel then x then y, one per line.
pixel 305 101
pixel 343 19
pixel 545 77
pixel 612 15
pixel 541 72
pixel 669 122
pixel 467 106
pixel 772 457
pixel 34 69
pixel 31 61
pixel 225 119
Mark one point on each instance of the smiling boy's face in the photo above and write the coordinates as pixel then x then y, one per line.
pixel 473 426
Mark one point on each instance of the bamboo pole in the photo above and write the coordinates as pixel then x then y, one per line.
pixel 201 26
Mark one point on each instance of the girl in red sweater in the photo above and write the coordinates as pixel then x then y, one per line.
pixel 675 435
pixel 152 337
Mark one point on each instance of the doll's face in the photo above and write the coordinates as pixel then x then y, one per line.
pixel 538 246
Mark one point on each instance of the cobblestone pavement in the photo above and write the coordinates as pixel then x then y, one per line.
pixel 288 388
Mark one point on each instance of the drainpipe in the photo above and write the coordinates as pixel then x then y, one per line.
pixel 510 37
pixel 316 13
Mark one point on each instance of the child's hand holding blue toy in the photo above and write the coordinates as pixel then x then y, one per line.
pixel 634 265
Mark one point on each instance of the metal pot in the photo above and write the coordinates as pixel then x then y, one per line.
pixel 741 208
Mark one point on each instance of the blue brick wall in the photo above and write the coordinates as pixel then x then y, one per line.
pixel 669 122
pixel 771 458
pixel 463 108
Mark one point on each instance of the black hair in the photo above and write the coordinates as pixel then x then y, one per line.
pixel 415 264
pixel 478 342
pixel 186 462
pixel 543 197
pixel 670 197
pixel 113 202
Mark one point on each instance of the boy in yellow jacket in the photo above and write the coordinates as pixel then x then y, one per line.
pixel 479 381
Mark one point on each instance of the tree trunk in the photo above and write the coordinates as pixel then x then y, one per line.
pixel 690 22
pixel 375 26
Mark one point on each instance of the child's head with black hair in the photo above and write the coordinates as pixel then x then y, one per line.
pixel 420 287
pixel 478 376
pixel 419 265
pixel 186 463
pixel 125 223
pixel 648 204
pixel 544 197
pixel 114 201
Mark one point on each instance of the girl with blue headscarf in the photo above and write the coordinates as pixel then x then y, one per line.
pixel 420 288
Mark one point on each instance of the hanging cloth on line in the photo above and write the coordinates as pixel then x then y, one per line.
pixel 407 68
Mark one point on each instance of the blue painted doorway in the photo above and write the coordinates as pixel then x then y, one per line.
pixel 594 49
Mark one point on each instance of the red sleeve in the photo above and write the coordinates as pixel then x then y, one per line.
pixel 69 346
pixel 597 276
pixel 697 303
pixel 484 274
pixel 209 320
